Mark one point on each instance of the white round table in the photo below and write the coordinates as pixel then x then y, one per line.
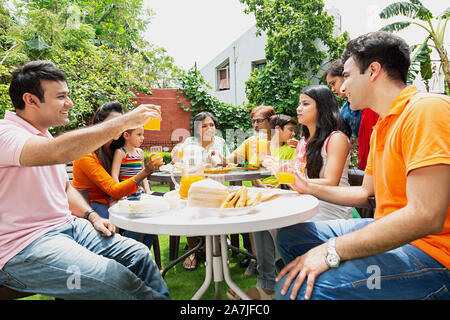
pixel 288 209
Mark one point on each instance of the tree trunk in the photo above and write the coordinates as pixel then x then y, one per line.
pixel 445 63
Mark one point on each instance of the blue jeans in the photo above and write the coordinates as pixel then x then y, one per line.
pixel 102 210
pixel 265 259
pixel 75 261
pixel 404 273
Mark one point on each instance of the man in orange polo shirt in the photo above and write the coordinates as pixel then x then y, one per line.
pixel 404 253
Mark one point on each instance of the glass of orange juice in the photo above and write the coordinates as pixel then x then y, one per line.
pixel 253 159
pixel 284 176
pixel 262 145
pixel 157 150
pixel 153 124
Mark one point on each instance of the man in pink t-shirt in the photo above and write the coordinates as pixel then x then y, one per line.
pixel 46 246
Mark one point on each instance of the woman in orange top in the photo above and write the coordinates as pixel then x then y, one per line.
pixel 91 174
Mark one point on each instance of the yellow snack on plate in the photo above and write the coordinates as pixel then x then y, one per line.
pixel 226 203
pixel 254 198
pixel 243 199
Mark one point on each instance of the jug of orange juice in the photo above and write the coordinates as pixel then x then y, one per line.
pixel 192 168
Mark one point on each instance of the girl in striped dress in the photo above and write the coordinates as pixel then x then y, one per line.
pixel 128 160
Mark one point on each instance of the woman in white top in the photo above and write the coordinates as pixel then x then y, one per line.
pixel 327 155
pixel 204 129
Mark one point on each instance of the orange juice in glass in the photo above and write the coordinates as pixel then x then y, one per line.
pixel 262 145
pixel 157 150
pixel 153 124
pixel 253 159
pixel 283 176
pixel 185 184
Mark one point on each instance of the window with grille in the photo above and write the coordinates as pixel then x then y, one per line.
pixel 223 76
pixel 260 65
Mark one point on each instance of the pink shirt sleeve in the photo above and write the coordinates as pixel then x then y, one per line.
pixel 12 140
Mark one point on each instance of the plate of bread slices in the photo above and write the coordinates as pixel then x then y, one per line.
pixel 208 194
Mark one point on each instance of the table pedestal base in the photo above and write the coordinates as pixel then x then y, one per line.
pixel 217 267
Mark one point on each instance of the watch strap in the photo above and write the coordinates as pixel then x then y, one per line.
pixel 87 213
pixel 332 246
pixel 333 259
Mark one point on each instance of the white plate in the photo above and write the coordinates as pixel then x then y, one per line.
pixel 234 212
pixel 142 215
pixel 167 168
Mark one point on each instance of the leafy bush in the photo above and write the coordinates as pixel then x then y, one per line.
pixel 300 43
pixel 5 78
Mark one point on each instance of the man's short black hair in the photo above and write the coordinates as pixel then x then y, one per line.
pixel 28 79
pixel 388 49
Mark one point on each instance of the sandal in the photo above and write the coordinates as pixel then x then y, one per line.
pixel 190 263
pixel 231 295
pixel 262 295
pixel 265 296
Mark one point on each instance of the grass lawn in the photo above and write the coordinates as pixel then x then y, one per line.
pixel 183 284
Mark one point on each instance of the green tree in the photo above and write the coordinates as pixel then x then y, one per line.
pixel 300 42
pixel 116 23
pixel 435 27
pixel 97 71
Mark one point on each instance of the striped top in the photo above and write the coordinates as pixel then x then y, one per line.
pixel 130 166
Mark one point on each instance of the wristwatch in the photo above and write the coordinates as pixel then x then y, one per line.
pixel 332 257
pixel 87 213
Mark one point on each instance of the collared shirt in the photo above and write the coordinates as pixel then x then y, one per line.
pixel 414 134
pixel 33 199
